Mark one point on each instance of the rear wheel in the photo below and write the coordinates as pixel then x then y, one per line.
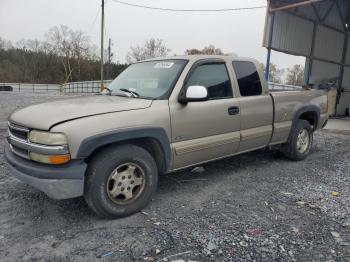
pixel 300 141
pixel 120 181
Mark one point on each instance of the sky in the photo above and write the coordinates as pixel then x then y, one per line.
pixel 239 32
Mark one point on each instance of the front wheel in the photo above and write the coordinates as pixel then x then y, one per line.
pixel 300 141
pixel 120 181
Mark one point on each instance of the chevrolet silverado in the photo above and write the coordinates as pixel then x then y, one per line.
pixel 156 117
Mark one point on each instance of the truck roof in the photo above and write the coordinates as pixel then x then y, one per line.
pixel 200 57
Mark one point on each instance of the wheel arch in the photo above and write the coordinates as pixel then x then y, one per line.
pixel 309 113
pixel 154 140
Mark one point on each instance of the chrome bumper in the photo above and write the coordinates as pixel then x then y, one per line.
pixel 37 148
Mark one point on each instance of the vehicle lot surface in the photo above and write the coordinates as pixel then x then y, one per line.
pixel 252 207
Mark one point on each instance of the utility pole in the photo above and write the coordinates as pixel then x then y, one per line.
pixel 102 33
pixel 109 58
pixel 109 51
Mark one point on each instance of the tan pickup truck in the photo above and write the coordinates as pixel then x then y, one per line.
pixel 158 116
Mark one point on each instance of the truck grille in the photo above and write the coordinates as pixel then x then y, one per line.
pixel 20 151
pixel 18 131
pixel 19 134
pixel 20 145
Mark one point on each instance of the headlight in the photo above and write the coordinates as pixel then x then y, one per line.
pixel 47 138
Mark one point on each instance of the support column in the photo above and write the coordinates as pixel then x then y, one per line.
pixel 102 32
pixel 341 75
pixel 311 57
pixel 267 70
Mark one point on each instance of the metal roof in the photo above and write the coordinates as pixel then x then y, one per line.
pixel 331 13
pixel 319 30
pixel 310 28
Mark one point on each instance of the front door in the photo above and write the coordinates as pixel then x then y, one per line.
pixel 206 130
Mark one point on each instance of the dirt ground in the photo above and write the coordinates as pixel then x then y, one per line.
pixel 253 207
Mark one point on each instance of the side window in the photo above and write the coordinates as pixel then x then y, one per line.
pixel 248 78
pixel 214 77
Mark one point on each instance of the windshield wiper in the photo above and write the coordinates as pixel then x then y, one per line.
pixel 133 93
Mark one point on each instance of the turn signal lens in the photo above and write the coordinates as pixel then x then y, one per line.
pixel 50 159
pixel 59 159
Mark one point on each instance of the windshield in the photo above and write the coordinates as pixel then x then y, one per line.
pixel 151 79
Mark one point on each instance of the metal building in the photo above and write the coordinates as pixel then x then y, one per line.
pixel 318 30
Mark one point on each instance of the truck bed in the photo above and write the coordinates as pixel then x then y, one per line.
pixel 286 103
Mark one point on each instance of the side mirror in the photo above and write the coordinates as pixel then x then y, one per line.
pixel 194 94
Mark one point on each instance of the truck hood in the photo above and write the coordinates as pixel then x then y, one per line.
pixel 44 116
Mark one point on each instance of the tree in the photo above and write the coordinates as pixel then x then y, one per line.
pixel 9 71
pixel 58 38
pixel 151 49
pixel 295 75
pixel 193 51
pixel 71 47
pixel 207 50
pixel 35 61
pixel 276 74
pixel 4 44
pixel 36 58
pixel 211 50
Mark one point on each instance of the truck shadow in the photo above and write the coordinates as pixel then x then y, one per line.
pixel 171 187
pixel 215 170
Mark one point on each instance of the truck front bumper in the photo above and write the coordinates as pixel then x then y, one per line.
pixel 58 182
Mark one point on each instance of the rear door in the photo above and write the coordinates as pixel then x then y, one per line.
pixel 206 130
pixel 256 107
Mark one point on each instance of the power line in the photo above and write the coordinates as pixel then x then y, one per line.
pixel 94 22
pixel 189 10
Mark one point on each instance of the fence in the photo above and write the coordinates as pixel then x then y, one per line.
pixel 33 88
pixel 85 86
pixel 93 87
pixel 72 87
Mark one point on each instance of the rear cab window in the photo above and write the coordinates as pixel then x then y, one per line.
pixel 248 79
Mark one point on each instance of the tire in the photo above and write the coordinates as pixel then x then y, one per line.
pixel 298 151
pixel 123 167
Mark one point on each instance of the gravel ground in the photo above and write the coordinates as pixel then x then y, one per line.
pixel 253 207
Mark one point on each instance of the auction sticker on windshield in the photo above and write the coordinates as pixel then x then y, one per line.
pixel 164 65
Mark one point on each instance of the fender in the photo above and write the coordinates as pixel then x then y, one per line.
pixel 304 109
pixel 309 108
pixel 89 145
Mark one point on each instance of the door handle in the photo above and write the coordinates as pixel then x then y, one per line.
pixel 233 110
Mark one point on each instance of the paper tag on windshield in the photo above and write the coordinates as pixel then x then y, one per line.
pixel 164 65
